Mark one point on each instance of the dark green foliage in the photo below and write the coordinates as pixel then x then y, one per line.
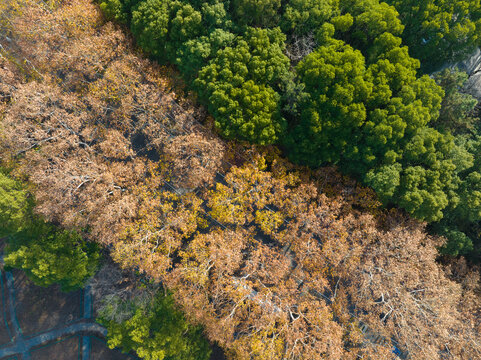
pixel 247 111
pixel 335 79
pixel 306 16
pixel 439 31
pixel 457 243
pixel 367 110
pixel 361 111
pixel 462 221
pixel 371 119
pixel 155 330
pixel 424 181
pixel 186 24
pixel 150 25
pixel 118 10
pixel 470 195
pixel 195 53
pixel 215 15
pixel 114 10
pixel 457 107
pixel 373 22
pixel 429 181
pixel 256 12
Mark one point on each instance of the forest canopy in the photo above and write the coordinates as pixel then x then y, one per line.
pixel 266 258
pixel 344 82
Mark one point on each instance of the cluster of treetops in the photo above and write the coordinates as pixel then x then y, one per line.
pixel 338 82
pixel 274 260
pixel 152 326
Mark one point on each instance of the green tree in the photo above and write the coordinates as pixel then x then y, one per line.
pixel 458 243
pixel 424 182
pixel 256 12
pixel 461 219
pixel 240 86
pixel 372 21
pixel 50 255
pixel 360 112
pixel 114 10
pixel 155 330
pixel 118 10
pixel 385 180
pixel 186 24
pixel 215 15
pixel 47 254
pixel 368 111
pixel 195 53
pixel 461 223
pixel 15 206
pixel 337 86
pixel 471 197
pixel 150 26
pixel 306 16
pixel 162 26
pixel 456 115
pixel 439 31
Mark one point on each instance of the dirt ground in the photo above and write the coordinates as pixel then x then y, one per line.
pixel 41 309
pixel 4 337
pixel 67 349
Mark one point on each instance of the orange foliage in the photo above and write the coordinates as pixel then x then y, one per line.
pixel 276 261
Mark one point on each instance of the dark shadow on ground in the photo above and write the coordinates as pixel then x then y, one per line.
pixel 217 353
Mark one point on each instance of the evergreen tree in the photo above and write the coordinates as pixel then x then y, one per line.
pixel 456 114
pixel 439 31
pixel 241 83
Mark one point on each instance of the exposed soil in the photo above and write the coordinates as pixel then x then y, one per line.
pixel 67 349
pixel 4 335
pixel 41 309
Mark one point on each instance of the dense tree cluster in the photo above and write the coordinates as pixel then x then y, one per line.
pixel 439 31
pixel 275 261
pixel 330 82
pixel 461 223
